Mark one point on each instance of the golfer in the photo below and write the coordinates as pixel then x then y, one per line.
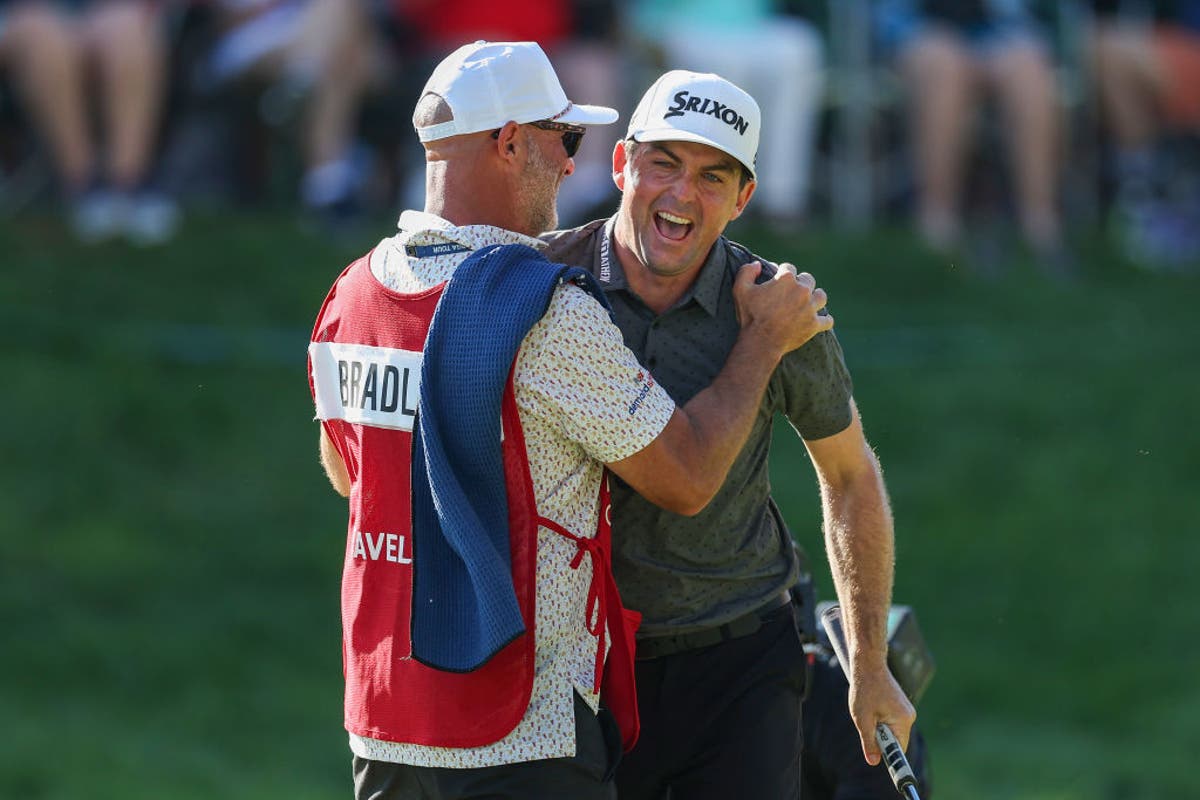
pixel 720 664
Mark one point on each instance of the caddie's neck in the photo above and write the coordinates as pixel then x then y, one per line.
pixel 457 195
pixel 463 186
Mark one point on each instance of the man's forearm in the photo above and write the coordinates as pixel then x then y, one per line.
pixel 860 542
pixel 722 415
pixel 695 451
pixel 684 467
pixel 334 467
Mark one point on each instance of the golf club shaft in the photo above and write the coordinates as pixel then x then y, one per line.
pixel 893 754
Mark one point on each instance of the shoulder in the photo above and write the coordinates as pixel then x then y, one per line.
pixel 575 246
pixel 572 308
pixel 349 280
pixel 575 330
pixel 737 254
pixel 575 374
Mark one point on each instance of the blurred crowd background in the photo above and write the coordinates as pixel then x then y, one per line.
pixel 989 124
pixel 170 551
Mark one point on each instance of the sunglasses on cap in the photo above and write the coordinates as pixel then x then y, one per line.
pixel 572 135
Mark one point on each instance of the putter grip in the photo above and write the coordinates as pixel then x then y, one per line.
pixel 893 755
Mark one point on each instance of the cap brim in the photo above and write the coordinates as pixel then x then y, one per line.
pixel 677 135
pixel 589 115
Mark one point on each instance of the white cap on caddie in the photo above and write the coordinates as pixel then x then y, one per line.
pixel 488 84
pixel 701 107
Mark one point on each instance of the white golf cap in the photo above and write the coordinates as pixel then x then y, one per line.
pixel 488 84
pixel 701 107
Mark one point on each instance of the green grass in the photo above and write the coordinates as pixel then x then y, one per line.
pixel 1041 454
pixel 169 551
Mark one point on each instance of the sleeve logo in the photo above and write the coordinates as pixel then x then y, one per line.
pixel 647 383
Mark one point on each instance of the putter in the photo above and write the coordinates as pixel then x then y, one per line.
pixel 893 755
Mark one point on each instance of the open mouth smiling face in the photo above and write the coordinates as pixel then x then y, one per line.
pixel 672 226
pixel 677 198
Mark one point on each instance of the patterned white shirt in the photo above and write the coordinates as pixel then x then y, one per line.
pixel 584 400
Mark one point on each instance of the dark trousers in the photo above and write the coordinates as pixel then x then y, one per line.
pixel 722 722
pixel 585 776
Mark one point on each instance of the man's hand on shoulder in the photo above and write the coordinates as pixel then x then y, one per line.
pixel 784 310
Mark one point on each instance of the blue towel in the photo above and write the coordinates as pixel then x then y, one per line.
pixel 464 603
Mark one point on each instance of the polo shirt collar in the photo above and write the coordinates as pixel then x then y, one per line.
pixel 711 278
pixel 412 221
pixel 706 290
pixel 606 266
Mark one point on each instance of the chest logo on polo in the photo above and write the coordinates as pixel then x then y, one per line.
pixel 685 101
pixel 366 385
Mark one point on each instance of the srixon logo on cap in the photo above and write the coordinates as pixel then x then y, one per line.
pixel 685 101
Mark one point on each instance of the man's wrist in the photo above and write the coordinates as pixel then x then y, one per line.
pixel 869 661
pixel 756 339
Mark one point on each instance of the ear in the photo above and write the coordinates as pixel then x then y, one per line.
pixel 619 161
pixel 744 195
pixel 506 142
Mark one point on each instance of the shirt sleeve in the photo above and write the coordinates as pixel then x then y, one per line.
pixel 816 387
pixel 576 374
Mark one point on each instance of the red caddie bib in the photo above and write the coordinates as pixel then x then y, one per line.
pixel 364 372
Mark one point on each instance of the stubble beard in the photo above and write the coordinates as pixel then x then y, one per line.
pixel 659 264
pixel 539 201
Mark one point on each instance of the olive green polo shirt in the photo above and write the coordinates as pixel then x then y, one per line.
pixel 690 573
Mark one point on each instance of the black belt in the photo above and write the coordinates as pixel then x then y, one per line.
pixel 659 646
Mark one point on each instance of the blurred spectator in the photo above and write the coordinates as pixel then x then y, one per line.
pixel 62 55
pixel 948 52
pixel 580 37
pixel 442 25
pixel 776 58
pixel 317 57
pixel 1147 72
